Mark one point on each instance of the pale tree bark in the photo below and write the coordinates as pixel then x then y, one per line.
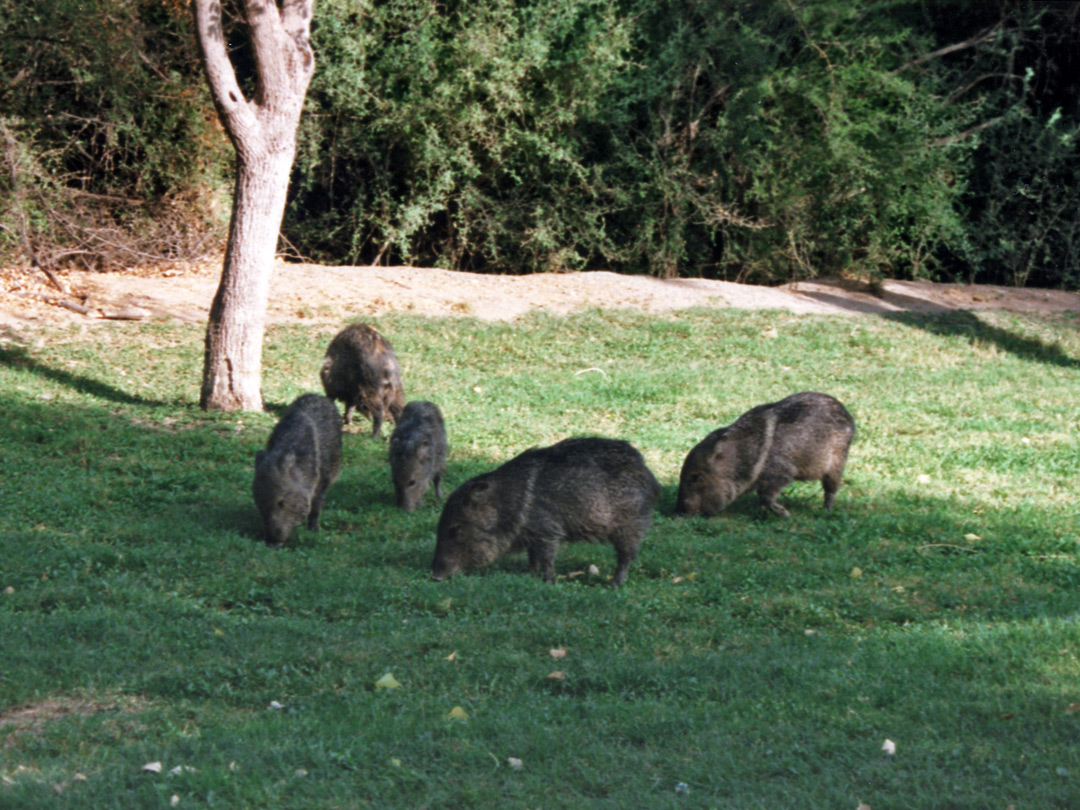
pixel 263 132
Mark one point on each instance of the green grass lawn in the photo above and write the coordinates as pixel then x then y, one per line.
pixel 749 662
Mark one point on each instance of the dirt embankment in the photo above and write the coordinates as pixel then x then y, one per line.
pixel 302 292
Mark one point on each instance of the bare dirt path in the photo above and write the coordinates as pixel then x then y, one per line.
pixel 302 292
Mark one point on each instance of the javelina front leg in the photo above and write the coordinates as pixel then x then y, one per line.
pixel 768 490
pixel 438 485
pixel 316 507
pixel 376 424
pixel 349 408
pixel 542 561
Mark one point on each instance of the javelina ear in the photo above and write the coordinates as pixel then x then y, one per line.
pixel 480 492
pixel 716 452
pixel 288 464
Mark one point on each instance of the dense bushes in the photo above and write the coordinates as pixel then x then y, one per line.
pixel 110 150
pixel 751 140
pixel 756 140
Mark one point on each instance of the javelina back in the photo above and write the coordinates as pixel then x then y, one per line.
pixel 362 371
pixel 417 453
pixel 589 489
pixel 804 437
pixel 301 460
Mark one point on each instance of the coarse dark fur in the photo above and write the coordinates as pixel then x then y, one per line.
pixel 301 460
pixel 362 371
pixel 804 437
pixel 417 453
pixel 590 489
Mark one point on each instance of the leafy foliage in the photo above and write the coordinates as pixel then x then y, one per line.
pixel 757 140
pixel 754 141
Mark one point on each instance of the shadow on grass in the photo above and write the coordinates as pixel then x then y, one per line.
pixel 19 358
pixel 939 320
pixel 968 325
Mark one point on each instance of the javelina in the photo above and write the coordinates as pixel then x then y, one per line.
pixel 579 489
pixel 301 460
pixel 362 371
pixel 802 438
pixel 417 453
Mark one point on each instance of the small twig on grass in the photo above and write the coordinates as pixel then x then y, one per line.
pixel 945 545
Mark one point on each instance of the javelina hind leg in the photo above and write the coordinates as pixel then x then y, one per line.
pixel 621 569
pixel 534 562
pixel 627 542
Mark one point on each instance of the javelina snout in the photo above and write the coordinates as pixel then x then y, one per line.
pixel 583 489
pixel 361 370
pixel 301 460
pixel 417 453
pixel 804 437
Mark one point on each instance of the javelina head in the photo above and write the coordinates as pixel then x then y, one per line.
pixel 468 536
pixel 393 395
pixel 712 474
pixel 283 500
pixel 410 463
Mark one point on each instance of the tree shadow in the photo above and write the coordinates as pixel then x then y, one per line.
pixel 946 321
pixel 966 324
pixel 868 304
pixel 18 357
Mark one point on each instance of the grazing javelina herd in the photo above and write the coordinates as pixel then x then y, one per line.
pixel 590 488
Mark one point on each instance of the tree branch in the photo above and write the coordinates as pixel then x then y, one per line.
pixel 984 36
pixel 284 61
pixel 967 133
pixel 236 112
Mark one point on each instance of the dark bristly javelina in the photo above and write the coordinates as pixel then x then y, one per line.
pixel 804 437
pixel 591 489
pixel 362 371
pixel 301 460
pixel 417 453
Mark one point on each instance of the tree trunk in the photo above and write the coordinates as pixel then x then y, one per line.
pixel 263 131
pixel 232 363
